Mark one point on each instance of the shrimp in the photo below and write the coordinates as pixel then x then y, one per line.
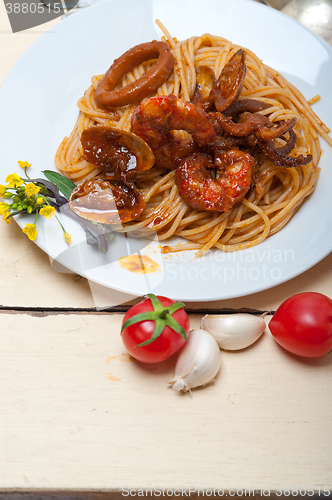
pixel 201 191
pixel 154 119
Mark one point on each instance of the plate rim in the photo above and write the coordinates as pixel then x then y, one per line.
pixel 58 27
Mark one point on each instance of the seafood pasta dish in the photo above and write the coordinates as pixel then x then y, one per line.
pixel 197 139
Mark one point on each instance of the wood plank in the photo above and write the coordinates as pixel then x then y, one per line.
pixel 77 413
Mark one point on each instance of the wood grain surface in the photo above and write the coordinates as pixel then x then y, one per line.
pixel 78 412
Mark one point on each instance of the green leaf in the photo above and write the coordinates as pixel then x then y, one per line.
pixel 176 306
pixel 144 316
pixel 157 306
pixel 63 184
pixel 172 323
pixel 158 329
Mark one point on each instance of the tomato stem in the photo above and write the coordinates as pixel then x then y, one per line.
pixel 162 316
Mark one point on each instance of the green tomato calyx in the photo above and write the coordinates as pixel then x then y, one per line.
pixel 162 317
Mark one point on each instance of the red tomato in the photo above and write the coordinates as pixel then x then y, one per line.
pixel 168 341
pixel 303 324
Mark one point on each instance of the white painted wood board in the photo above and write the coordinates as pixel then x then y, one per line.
pixel 77 413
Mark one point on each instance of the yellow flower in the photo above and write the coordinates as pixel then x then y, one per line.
pixel 67 238
pixel 40 200
pixel 8 221
pixel 4 207
pixel 3 189
pixel 47 211
pixel 31 189
pixel 24 164
pixel 31 231
pixel 14 181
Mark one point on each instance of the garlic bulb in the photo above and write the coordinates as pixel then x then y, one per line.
pixel 198 362
pixel 234 331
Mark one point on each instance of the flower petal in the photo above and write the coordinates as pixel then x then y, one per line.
pixel 4 207
pixel 31 231
pixel 31 189
pixel 24 164
pixel 47 211
pixel 67 238
pixel 14 181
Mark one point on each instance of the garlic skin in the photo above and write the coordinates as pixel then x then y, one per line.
pixel 198 362
pixel 234 331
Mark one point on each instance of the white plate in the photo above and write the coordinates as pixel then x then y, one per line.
pixel 38 107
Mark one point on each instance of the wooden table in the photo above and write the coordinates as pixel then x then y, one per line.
pixel 81 419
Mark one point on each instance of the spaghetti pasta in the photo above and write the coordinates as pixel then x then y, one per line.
pixel 278 191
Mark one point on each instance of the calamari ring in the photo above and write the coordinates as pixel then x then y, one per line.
pixel 148 83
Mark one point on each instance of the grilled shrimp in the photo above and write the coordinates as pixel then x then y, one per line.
pixel 155 118
pixel 203 192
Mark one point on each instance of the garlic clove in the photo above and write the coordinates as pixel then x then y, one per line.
pixel 234 331
pixel 198 362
